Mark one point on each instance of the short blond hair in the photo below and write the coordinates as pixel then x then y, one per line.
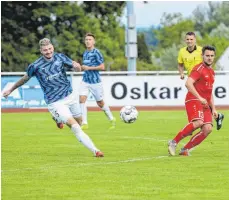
pixel 89 34
pixel 44 42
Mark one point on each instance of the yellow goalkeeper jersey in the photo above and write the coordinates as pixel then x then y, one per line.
pixel 190 59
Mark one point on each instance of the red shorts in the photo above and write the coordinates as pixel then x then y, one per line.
pixel 195 110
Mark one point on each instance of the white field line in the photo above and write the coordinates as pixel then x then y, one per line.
pixel 149 138
pixel 145 138
pixel 104 163
pixel 88 164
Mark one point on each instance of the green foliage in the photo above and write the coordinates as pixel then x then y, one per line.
pixel 17 35
pixel 104 8
pixel 170 19
pixel 119 64
pixel 143 66
pixel 169 35
pixel 218 42
pixel 65 23
pixel 143 52
pixel 211 25
pixel 219 12
pixel 169 58
pixel 221 31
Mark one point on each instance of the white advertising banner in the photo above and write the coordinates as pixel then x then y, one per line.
pixel 161 90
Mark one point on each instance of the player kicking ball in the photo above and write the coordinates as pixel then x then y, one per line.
pixel 50 72
pixel 199 104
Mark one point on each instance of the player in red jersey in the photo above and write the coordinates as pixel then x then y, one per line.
pixel 199 104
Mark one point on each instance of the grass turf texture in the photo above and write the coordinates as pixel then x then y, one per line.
pixel 42 162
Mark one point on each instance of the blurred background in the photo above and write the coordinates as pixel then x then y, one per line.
pixel 160 28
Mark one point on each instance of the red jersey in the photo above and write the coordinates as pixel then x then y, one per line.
pixel 204 79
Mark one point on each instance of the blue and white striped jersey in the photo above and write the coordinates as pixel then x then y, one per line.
pixel 92 58
pixel 52 76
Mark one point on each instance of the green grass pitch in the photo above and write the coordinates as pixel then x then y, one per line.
pixel 41 162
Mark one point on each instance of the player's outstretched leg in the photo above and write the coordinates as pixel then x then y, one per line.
pixel 187 130
pixel 197 139
pixel 99 154
pixel 184 152
pixel 194 141
pixel 86 140
pixel 172 147
pixel 219 121
pixel 60 125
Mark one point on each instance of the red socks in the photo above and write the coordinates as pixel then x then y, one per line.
pixel 195 140
pixel 187 130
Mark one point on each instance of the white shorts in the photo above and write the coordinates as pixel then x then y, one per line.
pixel 96 90
pixel 65 108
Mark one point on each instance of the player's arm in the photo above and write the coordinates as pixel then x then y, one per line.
pixel 212 105
pixel 181 70
pixel 76 66
pixel 191 88
pixel 100 61
pixel 70 63
pixel 180 64
pixel 101 67
pixel 19 83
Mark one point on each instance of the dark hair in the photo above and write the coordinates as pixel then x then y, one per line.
pixel 191 33
pixel 89 34
pixel 208 47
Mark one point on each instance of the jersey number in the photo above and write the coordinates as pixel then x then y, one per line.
pixel 56 114
pixel 201 114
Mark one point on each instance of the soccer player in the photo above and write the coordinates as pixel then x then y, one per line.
pixel 199 104
pixel 190 56
pixel 50 72
pixel 93 62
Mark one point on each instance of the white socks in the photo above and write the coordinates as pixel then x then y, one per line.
pixel 107 111
pixel 84 113
pixel 84 138
pixel 105 108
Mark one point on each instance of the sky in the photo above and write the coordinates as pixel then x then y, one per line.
pixel 150 14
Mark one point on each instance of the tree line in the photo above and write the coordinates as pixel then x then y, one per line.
pixel 210 23
pixel 65 23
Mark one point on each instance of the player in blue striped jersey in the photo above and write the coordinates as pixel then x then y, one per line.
pixel 50 71
pixel 93 62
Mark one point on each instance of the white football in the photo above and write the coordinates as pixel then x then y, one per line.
pixel 128 114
